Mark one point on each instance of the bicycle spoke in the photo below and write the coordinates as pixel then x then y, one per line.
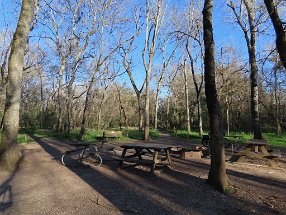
pixel 71 158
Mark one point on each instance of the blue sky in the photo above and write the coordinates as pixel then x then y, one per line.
pixel 225 33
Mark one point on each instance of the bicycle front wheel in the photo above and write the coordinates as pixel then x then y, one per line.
pixel 71 158
pixel 94 159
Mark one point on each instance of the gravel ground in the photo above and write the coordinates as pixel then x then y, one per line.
pixel 41 185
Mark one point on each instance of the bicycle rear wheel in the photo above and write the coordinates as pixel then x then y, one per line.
pixel 71 158
pixel 94 159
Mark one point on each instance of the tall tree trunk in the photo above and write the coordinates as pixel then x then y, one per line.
pixel 217 174
pixel 227 113
pixel 156 108
pixel 187 98
pixel 140 112
pixel 86 104
pixel 100 112
pixel 168 114
pixel 59 124
pixel 150 48
pixel 251 45
pixel 254 94
pixel 253 72
pixel 200 115
pixel 147 106
pixel 279 29
pixel 9 152
pixel 198 87
pixel 277 104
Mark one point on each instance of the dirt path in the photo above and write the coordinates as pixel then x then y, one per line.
pixel 41 185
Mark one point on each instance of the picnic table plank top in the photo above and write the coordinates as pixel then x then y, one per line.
pixel 257 142
pixel 83 143
pixel 146 146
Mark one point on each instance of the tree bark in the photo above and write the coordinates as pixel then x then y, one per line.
pixel 253 74
pixel 251 45
pixel 280 32
pixel 200 115
pixel 86 103
pixel 59 125
pixel 217 174
pixel 9 152
pixel 198 88
pixel 187 98
pixel 150 48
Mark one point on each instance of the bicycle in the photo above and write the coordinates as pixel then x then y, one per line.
pixel 84 152
pixel 206 141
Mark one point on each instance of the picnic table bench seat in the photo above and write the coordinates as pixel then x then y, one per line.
pixel 186 152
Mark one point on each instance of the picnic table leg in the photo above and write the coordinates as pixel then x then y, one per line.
pixel 122 156
pixel 273 164
pixel 155 156
pixel 263 150
pixel 138 153
pixel 169 157
pixel 256 149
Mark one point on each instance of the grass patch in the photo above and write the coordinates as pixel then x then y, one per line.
pixel 185 134
pixel 89 135
pixel 74 134
pixel 274 140
pixel 271 138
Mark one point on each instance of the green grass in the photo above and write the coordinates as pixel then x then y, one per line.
pixel 89 135
pixel 74 134
pixel 271 138
pixel 185 134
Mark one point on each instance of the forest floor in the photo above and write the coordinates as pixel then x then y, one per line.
pixel 41 185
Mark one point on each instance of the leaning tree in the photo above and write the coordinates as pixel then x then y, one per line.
pixel 9 152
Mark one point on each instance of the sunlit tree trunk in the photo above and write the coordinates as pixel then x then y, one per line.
pixel 251 45
pixel 200 115
pixel 217 174
pixel 186 97
pixel 148 55
pixel 9 152
pixel 168 114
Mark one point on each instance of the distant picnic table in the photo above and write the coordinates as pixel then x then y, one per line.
pixel 257 149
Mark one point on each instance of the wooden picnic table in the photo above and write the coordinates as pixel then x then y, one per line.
pixel 256 149
pixel 139 150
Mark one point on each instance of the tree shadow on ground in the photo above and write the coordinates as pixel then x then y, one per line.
pixel 6 194
pixel 171 191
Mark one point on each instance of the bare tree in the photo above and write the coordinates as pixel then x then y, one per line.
pixel 190 35
pixel 9 152
pixel 61 40
pixel 153 23
pixel 166 59
pixel 128 61
pixel 187 105
pixel 250 37
pixel 279 29
pixel 217 174
pixel 80 41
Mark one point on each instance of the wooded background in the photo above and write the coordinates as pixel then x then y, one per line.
pixel 87 61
